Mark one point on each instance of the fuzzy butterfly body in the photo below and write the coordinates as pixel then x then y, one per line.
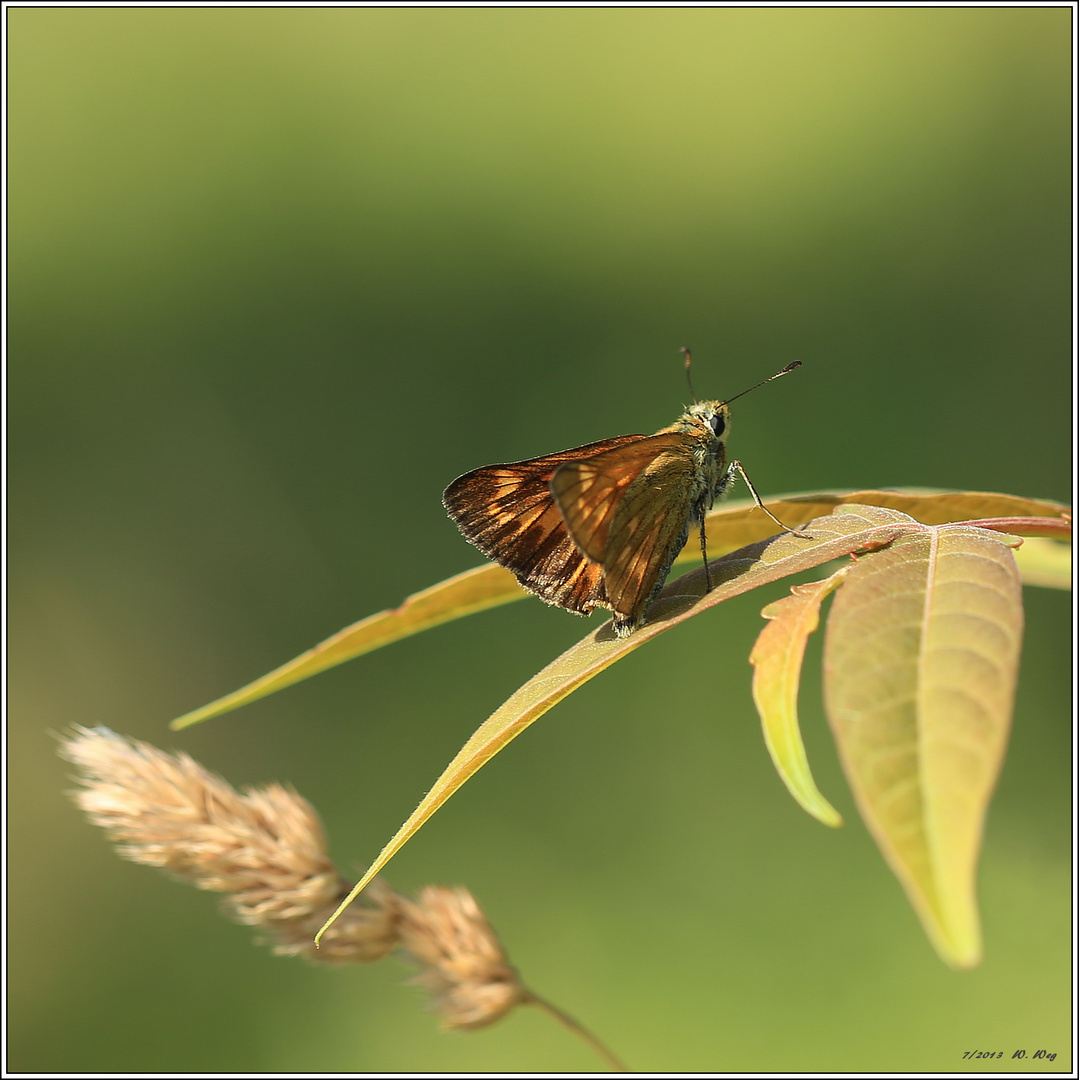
pixel 601 524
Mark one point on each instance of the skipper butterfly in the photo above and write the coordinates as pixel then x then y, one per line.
pixel 601 524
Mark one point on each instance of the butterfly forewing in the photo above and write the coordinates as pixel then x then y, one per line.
pixel 508 512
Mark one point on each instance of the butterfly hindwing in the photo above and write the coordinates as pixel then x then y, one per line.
pixel 650 528
pixel 629 508
pixel 588 492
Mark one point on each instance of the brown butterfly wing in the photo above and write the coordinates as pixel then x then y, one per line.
pixel 629 508
pixel 588 492
pixel 650 528
pixel 508 512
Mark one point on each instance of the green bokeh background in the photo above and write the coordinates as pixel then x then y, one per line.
pixel 277 276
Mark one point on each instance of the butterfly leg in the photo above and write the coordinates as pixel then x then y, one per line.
pixel 757 499
pixel 704 555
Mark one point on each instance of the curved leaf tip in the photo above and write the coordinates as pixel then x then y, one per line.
pixel 777 666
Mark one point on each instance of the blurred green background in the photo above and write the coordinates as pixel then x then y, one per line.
pixel 277 276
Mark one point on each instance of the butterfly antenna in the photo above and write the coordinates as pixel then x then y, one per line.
pixel 789 367
pixel 689 360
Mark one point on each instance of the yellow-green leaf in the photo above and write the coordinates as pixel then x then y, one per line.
pixel 921 655
pixel 851 528
pixel 474 590
pixel 777 668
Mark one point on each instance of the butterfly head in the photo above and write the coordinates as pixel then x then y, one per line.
pixel 708 421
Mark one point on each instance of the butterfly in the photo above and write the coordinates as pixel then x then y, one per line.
pixel 600 525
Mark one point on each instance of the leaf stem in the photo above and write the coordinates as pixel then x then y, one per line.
pixel 1026 526
pixel 579 1030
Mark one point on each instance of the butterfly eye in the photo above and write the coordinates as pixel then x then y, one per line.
pixel 718 424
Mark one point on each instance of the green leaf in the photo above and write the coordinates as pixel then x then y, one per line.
pixel 852 528
pixel 777 668
pixel 921 655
